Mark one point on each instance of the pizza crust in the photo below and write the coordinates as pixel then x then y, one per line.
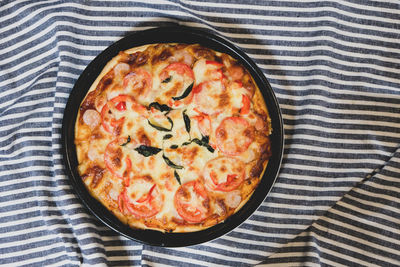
pixel 111 64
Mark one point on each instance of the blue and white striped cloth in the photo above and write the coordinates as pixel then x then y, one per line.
pixel 335 68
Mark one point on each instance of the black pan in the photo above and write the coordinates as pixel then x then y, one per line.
pixel 174 34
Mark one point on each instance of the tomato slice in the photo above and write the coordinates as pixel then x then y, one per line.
pixel 117 162
pixel 121 202
pixel 108 122
pixel 138 83
pixel 146 197
pixel 192 202
pixel 142 198
pixel 224 173
pixel 110 112
pixel 198 88
pixel 245 105
pixel 121 106
pixel 179 68
pixel 215 63
pixel 234 135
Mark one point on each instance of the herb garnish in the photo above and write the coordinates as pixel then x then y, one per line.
pixel 127 141
pixel 186 119
pixel 160 128
pixel 170 163
pixel 203 142
pixel 167 136
pixel 185 93
pixel 167 80
pixel 147 150
pixel 177 177
pixel 160 107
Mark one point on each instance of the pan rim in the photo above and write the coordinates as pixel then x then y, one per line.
pixel 171 34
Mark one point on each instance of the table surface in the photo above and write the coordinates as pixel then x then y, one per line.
pixel 335 69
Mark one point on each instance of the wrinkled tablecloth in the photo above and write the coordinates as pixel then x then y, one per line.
pixel 335 69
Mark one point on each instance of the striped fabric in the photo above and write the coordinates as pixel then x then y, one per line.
pixel 335 68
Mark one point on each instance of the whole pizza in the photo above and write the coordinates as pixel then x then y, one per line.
pixel 173 137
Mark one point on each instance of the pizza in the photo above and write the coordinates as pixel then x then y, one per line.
pixel 172 137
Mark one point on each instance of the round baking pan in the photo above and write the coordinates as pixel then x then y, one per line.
pixel 176 34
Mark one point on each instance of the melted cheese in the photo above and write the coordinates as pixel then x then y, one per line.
pixel 200 70
pixel 213 98
pixel 138 188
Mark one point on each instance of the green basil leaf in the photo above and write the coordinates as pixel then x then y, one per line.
pixel 170 163
pixel 186 143
pixel 174 147
pixel 177 177
pixel 205 139
pixel 160 128
pixel 210 148
pixel 167 80
pixel 203 142
pixel 127 141
pixel 160 107
pixel 197 141
pixel 167 136
pixel 186 93
pixel 147 150
pixel 186 119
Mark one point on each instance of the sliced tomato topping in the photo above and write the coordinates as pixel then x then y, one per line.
pixel 121 106
pixel 110 112
pixel 239 83
pixel 146 197
pixel 198 111
pixel 179 68
pixel 138 83
pixel 192 202
pixel 120 203
pixel 198 88
pixel 142 198
pixel 214 177
pixel 115 123
pixel 224 173
pixel 245 105
pixel 117 162
pixel 215 63
pixel 105 120
pixel 128 163
pixel 175 103
pixel 126 181
pixel 234 135
pixel 120 100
